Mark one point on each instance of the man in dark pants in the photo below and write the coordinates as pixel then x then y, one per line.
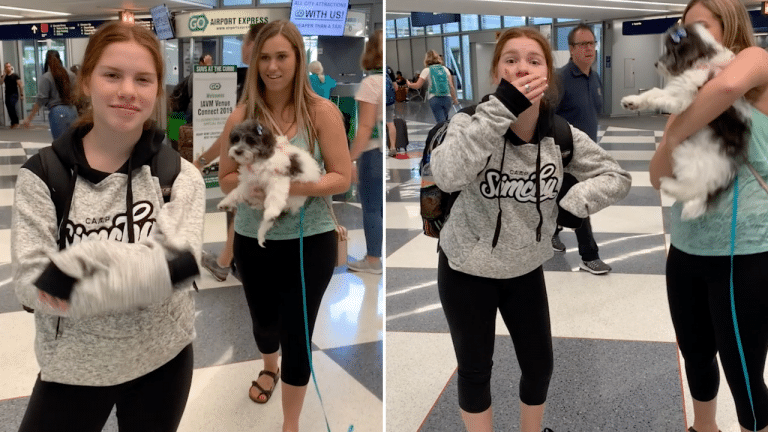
pixel 581 99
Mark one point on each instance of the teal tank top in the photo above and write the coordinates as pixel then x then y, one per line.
pixel 709 234
pixel 317 217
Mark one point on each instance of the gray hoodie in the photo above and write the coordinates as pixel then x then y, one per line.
pixel 470 160
pixel 127 315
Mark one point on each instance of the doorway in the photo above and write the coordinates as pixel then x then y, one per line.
pixel 33 58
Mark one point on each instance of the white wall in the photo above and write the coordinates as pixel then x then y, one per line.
pixel 645 50
pixel 77 50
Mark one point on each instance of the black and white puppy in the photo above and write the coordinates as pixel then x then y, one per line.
pixel 270 163
pixel 705 163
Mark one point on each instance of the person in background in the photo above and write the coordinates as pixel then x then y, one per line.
pixel 14 90
pixel 493 246
pixel 581 100
pixel 440 85
pixel 55 91
pixel 221 265
pixel 113 299
pixel 707 269
pixel 367 152
pixel 400 79
pixel 278 94
pixel 321 83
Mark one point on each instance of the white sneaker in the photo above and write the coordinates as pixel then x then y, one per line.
pixel 365 266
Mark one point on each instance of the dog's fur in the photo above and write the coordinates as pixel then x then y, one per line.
pixel 270 163
pixel 706 163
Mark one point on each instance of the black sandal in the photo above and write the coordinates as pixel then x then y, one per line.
pixel 267 393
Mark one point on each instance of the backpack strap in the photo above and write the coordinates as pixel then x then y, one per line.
pixel 166 165
pixel 563 138
pixel 57 178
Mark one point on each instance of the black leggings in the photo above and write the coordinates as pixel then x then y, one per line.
pixel 698 289
pixel 470 304
pixel 151 403
pixel 272 285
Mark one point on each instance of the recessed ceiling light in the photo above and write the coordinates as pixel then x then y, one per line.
pixel 11 16
pixel 192 3
pixel 34 10
pixel 574 6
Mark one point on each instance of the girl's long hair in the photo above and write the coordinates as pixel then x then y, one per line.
pixel 60 76
pixel 302 96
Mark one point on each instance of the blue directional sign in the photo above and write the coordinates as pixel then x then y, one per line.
pixel 73 29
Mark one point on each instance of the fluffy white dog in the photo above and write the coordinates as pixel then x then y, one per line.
pixel 270 163
pixel 706 163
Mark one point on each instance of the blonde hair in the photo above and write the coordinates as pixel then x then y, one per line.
pixel 733 16
pixel 302 96
pixel 317 68
pixel 431 58
pixel 550 95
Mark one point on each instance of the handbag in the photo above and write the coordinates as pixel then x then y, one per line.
pixel 341 237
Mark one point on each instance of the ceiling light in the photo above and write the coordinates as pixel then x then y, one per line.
pixel 645 3
pixel 574 6
pixel 34 10
pixel 191 3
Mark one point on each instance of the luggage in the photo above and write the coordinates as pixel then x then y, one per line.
pixel 401 134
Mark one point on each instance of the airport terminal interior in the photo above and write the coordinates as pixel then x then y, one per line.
pixel 382 352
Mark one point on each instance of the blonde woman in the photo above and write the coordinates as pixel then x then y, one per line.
pixel 440 83
pixel 322 84
pixel 277 92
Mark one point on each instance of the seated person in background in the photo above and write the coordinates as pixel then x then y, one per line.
pixel 400 79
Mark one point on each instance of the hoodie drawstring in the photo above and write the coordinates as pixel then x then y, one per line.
pixel 538 191
pixel 129 202
pixel 498 218
pixel 67 206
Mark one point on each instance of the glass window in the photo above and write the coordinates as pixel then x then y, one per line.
pixel 562 37
pixel 537 21
pixel 490 21
pixel 433 29
pixel 416 31
pixel 466 81
pixel 310 44
pixel 451 27
pixel 469 22
pixel 391 29
pixel 514 21
pixel 231 53
pixel 237 2
pixel 273 1
pixel 403 26
pixel 562 20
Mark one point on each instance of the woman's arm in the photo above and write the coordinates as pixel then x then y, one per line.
pixel 453 89
pixel 333 146
pixel 417 85
pixel 228 175
pixel 209 155
pixel 366 121
pixel 748 70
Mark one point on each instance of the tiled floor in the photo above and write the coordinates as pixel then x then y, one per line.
pixel 617 367
pixel 347 345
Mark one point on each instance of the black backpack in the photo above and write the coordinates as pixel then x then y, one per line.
pixel 436 204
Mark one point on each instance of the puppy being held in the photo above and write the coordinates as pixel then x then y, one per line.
pixel 270 163
pixel 705 164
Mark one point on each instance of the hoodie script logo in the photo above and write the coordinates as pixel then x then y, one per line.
pixel 142 227
pixel 500 185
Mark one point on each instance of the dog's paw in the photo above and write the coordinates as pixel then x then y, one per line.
pixel 693 209
pixel 226 206
pixel 632 102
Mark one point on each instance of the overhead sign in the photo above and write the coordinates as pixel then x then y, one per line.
pixel 214 95
pixel 72 29
pixel 225 22
pixel 355 25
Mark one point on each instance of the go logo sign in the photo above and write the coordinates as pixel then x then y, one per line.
pixel 215 86
pixel 198 23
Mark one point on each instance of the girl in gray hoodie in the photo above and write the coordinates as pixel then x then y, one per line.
pixel 509 170
pixel 110 284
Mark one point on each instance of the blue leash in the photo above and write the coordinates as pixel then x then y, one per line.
pixel 306 318
pixel 733 300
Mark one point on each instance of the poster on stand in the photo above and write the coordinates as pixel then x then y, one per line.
pixel 214 96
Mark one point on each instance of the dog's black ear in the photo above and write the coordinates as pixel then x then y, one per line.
pixel 234 136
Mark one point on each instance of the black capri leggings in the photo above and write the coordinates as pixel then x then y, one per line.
pixel 698 288
pixel 152 403
pixel 272 285
pixel 470 304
